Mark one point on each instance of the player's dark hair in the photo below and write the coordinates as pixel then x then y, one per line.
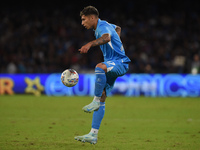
pixel 89 10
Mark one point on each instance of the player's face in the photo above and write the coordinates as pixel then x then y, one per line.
pixel 87 21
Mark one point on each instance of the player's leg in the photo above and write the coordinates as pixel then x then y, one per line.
pixel 100 81
pixel 98 114
pixel 96 122
pixel 115 69
pixel 100 84
pixel 103 96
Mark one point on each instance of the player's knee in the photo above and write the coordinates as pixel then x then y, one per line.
pixel 102 66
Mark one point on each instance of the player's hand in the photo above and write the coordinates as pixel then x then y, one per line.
pixel 85 48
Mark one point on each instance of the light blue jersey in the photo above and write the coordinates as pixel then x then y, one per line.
pixel 114 55
pixel 114 49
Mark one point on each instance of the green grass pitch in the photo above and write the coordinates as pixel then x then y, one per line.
pixel 50 123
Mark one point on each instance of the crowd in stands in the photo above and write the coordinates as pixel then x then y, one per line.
pixel 47 40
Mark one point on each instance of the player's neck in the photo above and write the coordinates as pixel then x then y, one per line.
pixel 95 23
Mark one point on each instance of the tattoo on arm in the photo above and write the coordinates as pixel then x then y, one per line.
pixel 105 38
pixel 118 30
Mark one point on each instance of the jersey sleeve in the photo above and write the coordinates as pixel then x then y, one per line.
pixel 103 29
pixel 113 25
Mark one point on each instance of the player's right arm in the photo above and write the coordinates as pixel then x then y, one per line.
pixel 105 38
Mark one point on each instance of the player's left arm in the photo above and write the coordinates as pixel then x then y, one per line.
pixel 105 38
pixel 118 30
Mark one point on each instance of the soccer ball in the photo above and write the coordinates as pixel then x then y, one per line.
pixel 69 77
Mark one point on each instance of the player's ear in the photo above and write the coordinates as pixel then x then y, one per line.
pixel 91 17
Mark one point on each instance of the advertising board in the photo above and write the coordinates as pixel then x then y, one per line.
pixel 150 85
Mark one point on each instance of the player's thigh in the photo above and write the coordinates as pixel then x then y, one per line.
pixel 115 68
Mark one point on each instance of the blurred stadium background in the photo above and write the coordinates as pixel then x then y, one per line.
pixel 160 36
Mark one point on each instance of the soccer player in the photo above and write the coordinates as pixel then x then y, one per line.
pixel 115 64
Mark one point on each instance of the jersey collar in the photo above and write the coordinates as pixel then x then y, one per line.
pixel 98 22
pixel 95 31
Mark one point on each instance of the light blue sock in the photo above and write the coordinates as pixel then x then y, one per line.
pixel 100 81
pixel 98 116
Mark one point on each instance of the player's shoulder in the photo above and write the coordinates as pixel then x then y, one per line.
pixel 104 23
